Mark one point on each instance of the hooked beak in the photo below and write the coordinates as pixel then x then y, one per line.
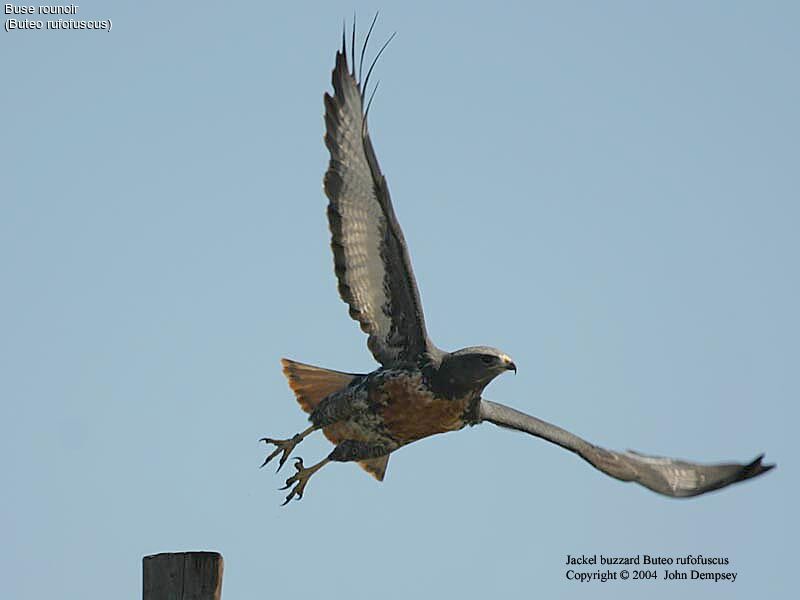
pixel 510 366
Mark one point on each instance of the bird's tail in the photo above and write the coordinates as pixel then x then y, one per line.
pixel 311 384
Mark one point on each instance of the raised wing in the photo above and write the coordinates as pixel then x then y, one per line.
pixel 667 476
pixel 369 252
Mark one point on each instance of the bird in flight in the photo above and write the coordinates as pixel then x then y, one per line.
pixel 419 390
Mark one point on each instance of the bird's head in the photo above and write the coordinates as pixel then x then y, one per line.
pixel 471 369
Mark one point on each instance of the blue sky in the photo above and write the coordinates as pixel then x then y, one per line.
pixel 606 191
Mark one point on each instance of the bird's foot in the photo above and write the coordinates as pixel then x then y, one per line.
pixel 285 446
pixel 300 479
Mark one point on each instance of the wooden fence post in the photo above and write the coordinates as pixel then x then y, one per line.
pixel 182 576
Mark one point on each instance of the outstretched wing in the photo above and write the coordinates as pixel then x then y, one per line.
pixel 667 476
pixel 369 252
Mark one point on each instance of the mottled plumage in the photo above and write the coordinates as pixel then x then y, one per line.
pixel 419 390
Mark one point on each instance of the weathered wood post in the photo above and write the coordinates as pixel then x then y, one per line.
pixel 182 576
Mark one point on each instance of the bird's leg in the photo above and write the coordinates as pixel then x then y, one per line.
pixel 285 446
pixel 346 451
pixel 349 450
pixel 301 478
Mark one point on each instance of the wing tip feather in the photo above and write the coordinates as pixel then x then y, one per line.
pixel 756 468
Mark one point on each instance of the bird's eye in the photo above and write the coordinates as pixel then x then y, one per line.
pixel 487 360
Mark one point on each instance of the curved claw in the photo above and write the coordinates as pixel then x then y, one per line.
pixel 299 480
pixel 282 461
pixel 270 457
pixel 282 446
